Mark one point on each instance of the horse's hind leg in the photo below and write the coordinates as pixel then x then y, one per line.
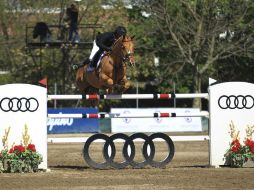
pixel 83 86
pixel 81 82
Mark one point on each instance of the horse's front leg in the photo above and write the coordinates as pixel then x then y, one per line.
pixel 122 85
pixel 109 90
pixel 125 84
pixel 106 82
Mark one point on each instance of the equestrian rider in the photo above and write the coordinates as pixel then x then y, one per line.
pixel 103 42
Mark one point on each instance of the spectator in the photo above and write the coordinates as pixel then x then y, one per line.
pixel 72 20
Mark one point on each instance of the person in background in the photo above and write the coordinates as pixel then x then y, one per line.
pixel 72 21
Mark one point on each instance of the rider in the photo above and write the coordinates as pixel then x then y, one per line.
pixel 103 42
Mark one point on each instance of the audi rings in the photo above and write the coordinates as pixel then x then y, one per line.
pixel 19 104
pixel 128 151
pixel 236 102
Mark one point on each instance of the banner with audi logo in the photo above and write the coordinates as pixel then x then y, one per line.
pixel 24 105
pixel 173 124
pixel 228 102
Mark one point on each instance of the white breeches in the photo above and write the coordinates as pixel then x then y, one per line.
pixel 94 50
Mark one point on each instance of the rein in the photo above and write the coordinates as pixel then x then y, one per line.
pixel 125 57
pixel 119 40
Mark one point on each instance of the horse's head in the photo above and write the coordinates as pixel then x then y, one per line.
pixel 124 47
pixel 128 49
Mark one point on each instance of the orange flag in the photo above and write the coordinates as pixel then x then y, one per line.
pixel 44 82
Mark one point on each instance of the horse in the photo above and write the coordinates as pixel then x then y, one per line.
pixel 111 72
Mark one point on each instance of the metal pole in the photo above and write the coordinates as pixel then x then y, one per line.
pixel 137 93
pixel 174 86
pixel 55 91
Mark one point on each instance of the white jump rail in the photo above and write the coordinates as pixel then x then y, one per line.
pixel 118 115
pixel 84 139
pixel 127 96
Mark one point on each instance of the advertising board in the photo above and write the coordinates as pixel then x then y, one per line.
pixel 172 124
pixel 70 125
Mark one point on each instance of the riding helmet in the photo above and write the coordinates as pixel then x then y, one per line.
pixel 120 31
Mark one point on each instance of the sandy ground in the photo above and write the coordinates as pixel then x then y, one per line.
pixel 188 170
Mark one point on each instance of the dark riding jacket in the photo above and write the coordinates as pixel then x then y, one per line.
pixel 74 16
pixel 105 40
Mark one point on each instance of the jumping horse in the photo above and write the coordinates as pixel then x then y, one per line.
pixel 111 72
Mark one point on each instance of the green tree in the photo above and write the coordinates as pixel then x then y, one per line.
pixel 192 36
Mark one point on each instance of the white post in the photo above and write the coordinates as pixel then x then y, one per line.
pixel 25 111
pixel 230 102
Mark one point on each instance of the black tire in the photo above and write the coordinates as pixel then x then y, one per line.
pixel 128 158
pixel 86 154
pixel 147 159
pixel 171 150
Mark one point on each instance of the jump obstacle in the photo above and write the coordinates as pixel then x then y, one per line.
pixel 221 113
pixel 230 102
pixel 128 160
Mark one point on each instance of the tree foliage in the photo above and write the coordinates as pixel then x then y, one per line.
pixel 192 39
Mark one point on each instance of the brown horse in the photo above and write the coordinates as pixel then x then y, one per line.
pixel 111 72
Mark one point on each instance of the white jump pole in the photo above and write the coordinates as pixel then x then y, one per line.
pixel 126 96
pixel 84 139
pixel 118 115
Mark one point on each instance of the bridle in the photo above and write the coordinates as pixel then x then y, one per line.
pixel 129 56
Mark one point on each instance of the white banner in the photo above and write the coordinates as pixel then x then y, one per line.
pixel 171 124
pixel 24 105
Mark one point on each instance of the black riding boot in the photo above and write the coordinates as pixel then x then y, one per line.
pixel 96 58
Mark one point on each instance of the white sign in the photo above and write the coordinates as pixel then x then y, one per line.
pixel 231 101
pixel 20 105
pixel 155 124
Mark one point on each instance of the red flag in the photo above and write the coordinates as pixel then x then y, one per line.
pixel 44 82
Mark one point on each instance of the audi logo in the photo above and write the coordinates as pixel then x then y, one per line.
pixel 128 151
pixel 236 102
pixel 19 104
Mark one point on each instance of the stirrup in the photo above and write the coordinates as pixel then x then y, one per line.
pixel 75 66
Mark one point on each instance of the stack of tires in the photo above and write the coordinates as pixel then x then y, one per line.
pixel 129 151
